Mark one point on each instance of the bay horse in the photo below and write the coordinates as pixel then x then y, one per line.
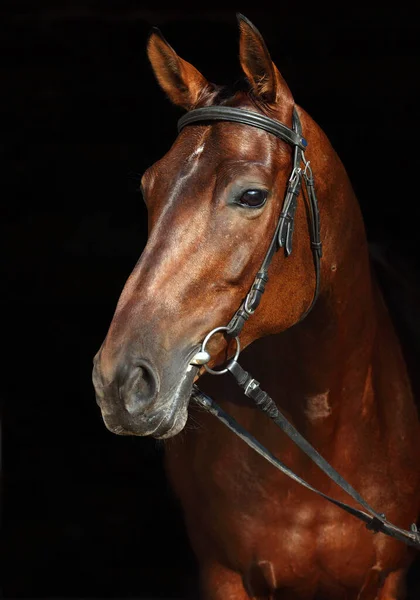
pixel 214 202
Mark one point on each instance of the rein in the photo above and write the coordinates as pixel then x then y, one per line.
pixel 282 238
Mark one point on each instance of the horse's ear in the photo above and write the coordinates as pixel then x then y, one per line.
pixel 266 81
pixel 184 85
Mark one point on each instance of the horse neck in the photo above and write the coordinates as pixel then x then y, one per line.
pixel 321 366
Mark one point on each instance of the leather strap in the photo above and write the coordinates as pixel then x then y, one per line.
pixel 283 235
pixel 245 117
pixel 374 521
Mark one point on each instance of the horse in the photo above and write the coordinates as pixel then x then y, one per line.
pixel 338 374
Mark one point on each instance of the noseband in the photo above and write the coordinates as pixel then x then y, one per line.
pixel 282 238
pixel 283 235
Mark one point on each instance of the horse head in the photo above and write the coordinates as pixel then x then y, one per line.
pixel 213 203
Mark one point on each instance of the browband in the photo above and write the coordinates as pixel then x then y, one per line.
pixel 246 117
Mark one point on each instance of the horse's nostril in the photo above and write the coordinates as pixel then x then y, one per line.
pixel 146 383
pixel 140 388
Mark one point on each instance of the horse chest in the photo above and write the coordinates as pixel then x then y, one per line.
pixel 273 535
pixel 297 545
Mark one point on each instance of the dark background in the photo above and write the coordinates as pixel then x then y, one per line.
pixel 86 513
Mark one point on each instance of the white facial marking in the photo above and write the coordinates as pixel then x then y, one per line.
pixel 318 406
pixel 197 152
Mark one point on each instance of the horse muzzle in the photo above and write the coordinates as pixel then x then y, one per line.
pixel 137 401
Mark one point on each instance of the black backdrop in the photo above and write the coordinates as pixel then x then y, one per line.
pixel 86 513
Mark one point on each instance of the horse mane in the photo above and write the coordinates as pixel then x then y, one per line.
pixel 234 94
pixel 227 93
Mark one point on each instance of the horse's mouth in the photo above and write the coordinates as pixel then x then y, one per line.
pixel 170 428
pixel 167 427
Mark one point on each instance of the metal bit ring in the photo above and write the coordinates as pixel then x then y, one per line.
pixel 203 349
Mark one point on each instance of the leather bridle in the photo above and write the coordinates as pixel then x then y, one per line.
pixel 282 238
pixel 283 234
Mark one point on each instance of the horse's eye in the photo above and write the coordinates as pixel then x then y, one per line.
pixel 253 198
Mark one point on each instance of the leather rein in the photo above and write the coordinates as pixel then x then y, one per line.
pixel 282 238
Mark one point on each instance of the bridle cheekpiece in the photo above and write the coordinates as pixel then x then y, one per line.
pixel 283 235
